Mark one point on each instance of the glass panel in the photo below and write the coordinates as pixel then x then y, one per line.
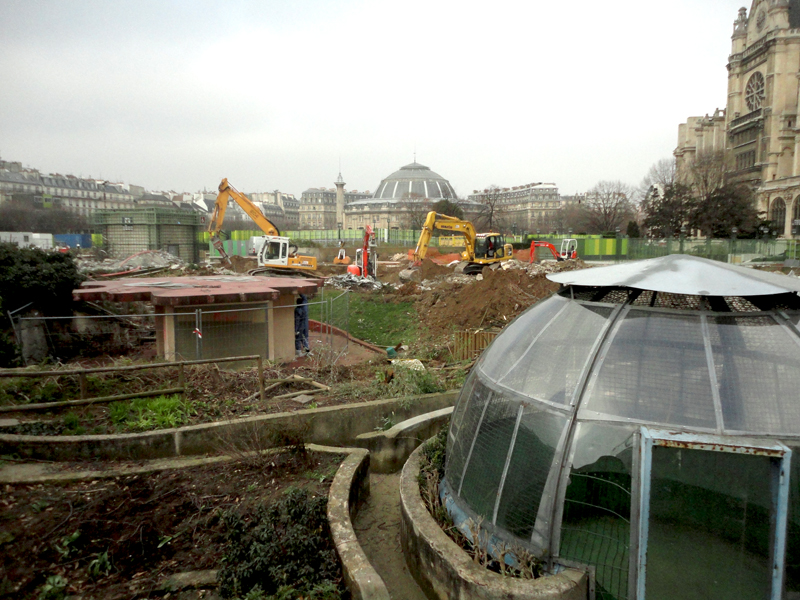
pixel 447 191
pixel 655 370
pixel 482 477
pixel 418 189
pixel 462 403
pixel 402 190
pixel 551 368
pixel 595 527
pixel 388 191
pixel 380 189
pixel 528 470
pixel 758 371
pixel 516 337
pixel 458 448
pixel 433 189
pixel 709 529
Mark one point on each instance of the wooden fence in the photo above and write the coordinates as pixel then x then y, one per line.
pixel 470 344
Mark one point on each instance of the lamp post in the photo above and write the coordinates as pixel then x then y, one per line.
pixel 339 229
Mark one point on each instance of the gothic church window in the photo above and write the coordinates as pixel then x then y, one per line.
pixel 754 92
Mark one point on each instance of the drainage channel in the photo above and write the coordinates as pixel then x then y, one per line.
pixel 377 527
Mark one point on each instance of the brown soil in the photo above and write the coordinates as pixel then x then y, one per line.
pixel 493 302
pixel 151 526
pixel 430 269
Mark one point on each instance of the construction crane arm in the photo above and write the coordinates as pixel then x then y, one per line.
pixel 435 220
pixel 226 192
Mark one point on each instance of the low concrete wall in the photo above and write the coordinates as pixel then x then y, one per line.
pixel 350 487
pixel 332 426
pixel 390 449
pixel 443 570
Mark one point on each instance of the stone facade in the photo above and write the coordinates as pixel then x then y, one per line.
pixel 318 206
pixel 759 127
pixel 75 194
pixel 528 207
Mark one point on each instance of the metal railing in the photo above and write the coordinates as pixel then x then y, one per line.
pixel 199 334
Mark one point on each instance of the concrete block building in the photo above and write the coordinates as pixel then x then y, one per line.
pixel 133 230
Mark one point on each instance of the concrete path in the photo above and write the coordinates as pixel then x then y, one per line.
pixel 378 529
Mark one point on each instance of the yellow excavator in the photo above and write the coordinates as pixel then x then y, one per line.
pixel 274 253
pixel 480 249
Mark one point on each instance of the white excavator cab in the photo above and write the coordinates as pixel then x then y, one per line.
pixel 569 248
pixel 274 252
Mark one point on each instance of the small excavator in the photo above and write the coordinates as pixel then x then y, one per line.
pixel 341 256
pixel 366 263
pixel 275 254
pixel 568 249
pixel 480 249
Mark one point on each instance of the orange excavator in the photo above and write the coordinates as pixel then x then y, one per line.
pixel 568 249
pixel 366 263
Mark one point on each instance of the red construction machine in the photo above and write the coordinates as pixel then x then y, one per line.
pixel 569 249
pixel 366 263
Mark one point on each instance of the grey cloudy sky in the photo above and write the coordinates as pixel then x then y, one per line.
pixel 273 94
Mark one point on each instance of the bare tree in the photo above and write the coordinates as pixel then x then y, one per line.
pixel 701 198
pixel 608 205
pixel 708 173
pixel 492 214
pixel 19 216
pixel 661 174
pixel 416 209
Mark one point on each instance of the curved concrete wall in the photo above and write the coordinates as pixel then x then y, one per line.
pixel 445 571
pixel 349 488
pixel 332 426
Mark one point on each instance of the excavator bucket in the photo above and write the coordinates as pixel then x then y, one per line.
pixel 226 260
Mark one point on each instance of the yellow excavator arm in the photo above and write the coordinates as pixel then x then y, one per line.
pixel 435 220
pixel 226 192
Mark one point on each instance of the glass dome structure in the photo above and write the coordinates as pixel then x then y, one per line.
pixel 640 423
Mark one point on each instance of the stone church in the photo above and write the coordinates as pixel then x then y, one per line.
pixel 759 126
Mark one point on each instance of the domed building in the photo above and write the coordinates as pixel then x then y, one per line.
pixel 641 423
pixel 400 199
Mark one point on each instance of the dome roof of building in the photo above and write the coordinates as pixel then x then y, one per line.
pixel 414 181
pixel 545 435
pixel 682 274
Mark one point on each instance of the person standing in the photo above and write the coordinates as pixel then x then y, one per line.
pixel 301 326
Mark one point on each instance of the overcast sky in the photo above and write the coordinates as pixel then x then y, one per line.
pixel 275 94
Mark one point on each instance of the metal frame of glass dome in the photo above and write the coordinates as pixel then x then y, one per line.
pixel 496 462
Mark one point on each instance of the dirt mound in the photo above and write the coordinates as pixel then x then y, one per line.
pixel 431 270
pixel 242 264
pixel 494 301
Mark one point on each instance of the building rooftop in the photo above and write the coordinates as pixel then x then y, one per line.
pixel 190 291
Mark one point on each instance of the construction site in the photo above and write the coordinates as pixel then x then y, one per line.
pixel 178 399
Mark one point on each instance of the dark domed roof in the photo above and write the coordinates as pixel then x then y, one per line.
pixel 414 181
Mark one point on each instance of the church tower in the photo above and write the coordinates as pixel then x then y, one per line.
pixel 762 108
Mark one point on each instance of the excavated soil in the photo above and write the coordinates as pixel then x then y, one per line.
pixel 494 301
pixel 122 537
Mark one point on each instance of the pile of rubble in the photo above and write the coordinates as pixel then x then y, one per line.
pixel 147 261
pixel 351 282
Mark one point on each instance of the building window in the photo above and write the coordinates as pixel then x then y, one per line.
pixel 754 92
